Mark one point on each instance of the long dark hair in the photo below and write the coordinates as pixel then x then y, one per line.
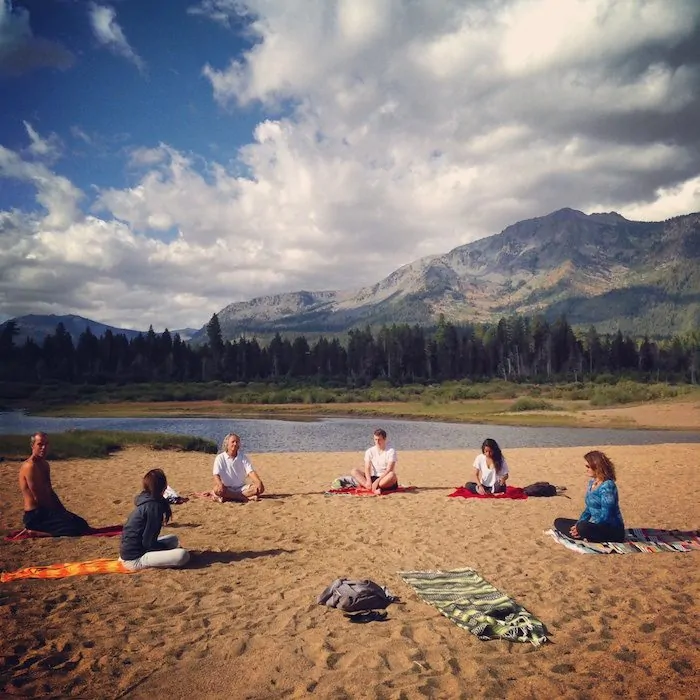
pixel 155 482
pixel 495 452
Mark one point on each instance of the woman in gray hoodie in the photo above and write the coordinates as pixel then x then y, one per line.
pixel 141 545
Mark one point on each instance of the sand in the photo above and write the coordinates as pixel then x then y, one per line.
pixel 678 415
pixel 242 621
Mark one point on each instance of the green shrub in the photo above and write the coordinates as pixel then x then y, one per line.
pixel 625 392
pixel 526 403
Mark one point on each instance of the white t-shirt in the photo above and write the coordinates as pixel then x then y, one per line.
pixel 489 476
pixel 232 472
pixel 380 460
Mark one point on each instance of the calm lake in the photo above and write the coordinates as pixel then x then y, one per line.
pixel 349 434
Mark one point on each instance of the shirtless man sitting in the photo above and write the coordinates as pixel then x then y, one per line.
pixel 231 470
pixel 43 510
pixel 379 473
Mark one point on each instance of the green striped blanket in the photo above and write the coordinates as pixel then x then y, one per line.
pixel 464 597
pixel 637 540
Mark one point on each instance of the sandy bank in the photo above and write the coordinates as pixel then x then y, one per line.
pixel 242 621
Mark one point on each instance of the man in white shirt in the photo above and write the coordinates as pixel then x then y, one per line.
pixel 234 476
pixel 379 473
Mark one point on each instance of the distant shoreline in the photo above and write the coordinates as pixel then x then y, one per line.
pixel 680 415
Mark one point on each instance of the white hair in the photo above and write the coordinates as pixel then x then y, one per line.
pixel 227 437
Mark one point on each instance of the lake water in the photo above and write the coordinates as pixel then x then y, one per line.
pixel 349 434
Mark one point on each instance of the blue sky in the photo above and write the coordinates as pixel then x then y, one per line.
pixel 159 160
pixel 104 103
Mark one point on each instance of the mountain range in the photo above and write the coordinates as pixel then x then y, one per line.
pixel 38 326
pixel 598 269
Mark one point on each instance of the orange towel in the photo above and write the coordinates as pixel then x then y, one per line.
pixel 73 568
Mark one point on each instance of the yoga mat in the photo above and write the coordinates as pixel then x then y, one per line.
pixel 637 541
pixel 76 568
pixel 108 531
pixel 475 605
pixel 511 492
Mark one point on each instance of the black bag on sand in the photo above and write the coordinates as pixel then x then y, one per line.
pixel 544 488
pixel 353 596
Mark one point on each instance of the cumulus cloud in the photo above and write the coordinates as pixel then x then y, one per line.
pixel 21 51
pixel 56 194
pixel 108 32
pixel 396 130
pixel 471 115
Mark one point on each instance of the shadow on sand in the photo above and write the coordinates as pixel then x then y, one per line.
pixel 206 558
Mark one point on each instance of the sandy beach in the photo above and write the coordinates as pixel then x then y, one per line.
pixel 242 621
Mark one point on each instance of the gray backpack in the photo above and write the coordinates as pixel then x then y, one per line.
pixel 353 596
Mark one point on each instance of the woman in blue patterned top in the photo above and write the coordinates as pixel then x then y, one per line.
pixel 601 520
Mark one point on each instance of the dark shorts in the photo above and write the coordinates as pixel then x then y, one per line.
pixel 59 523
pixel 393 487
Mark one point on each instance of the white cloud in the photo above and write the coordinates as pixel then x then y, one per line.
pixel 48 148
pixel 667 202
pixel 22 52
pixel 81 135
pixel 108 32
pixel 414 127
pixel 146 157
pixel 56 194
pixel 220 11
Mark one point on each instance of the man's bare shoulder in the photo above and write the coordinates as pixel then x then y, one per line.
pixel 31 465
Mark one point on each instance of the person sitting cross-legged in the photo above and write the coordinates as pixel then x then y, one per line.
pixel 142 545
pixel 234 476
pixel 379 473
pixel 601 520
pixel 490 470
pixel 43 510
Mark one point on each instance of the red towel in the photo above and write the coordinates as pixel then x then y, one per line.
pixel 359 491
pixel 512 492
pixel 108 531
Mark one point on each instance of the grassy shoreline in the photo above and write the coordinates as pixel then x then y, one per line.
pixel 486 411
pixel 100 444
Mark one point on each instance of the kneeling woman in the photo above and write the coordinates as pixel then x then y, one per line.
pixel 141 546
pixel 601 520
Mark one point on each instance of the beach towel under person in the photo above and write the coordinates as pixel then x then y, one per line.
pixel 637 541
pixel 466 599
pixel 511 492
pixel 359 491
pixel 25 534
pixel 75 568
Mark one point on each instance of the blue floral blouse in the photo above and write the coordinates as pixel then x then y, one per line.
pixel 602 505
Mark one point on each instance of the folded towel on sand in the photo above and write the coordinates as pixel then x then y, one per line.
pixel 466 599
pixel 108 531
pixel 75 568
pixel 344 482
pixel 359 491
pixel 512 492
pixel 209 495
pixel 637 541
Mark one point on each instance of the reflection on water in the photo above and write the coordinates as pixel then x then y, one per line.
pixel 349 434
